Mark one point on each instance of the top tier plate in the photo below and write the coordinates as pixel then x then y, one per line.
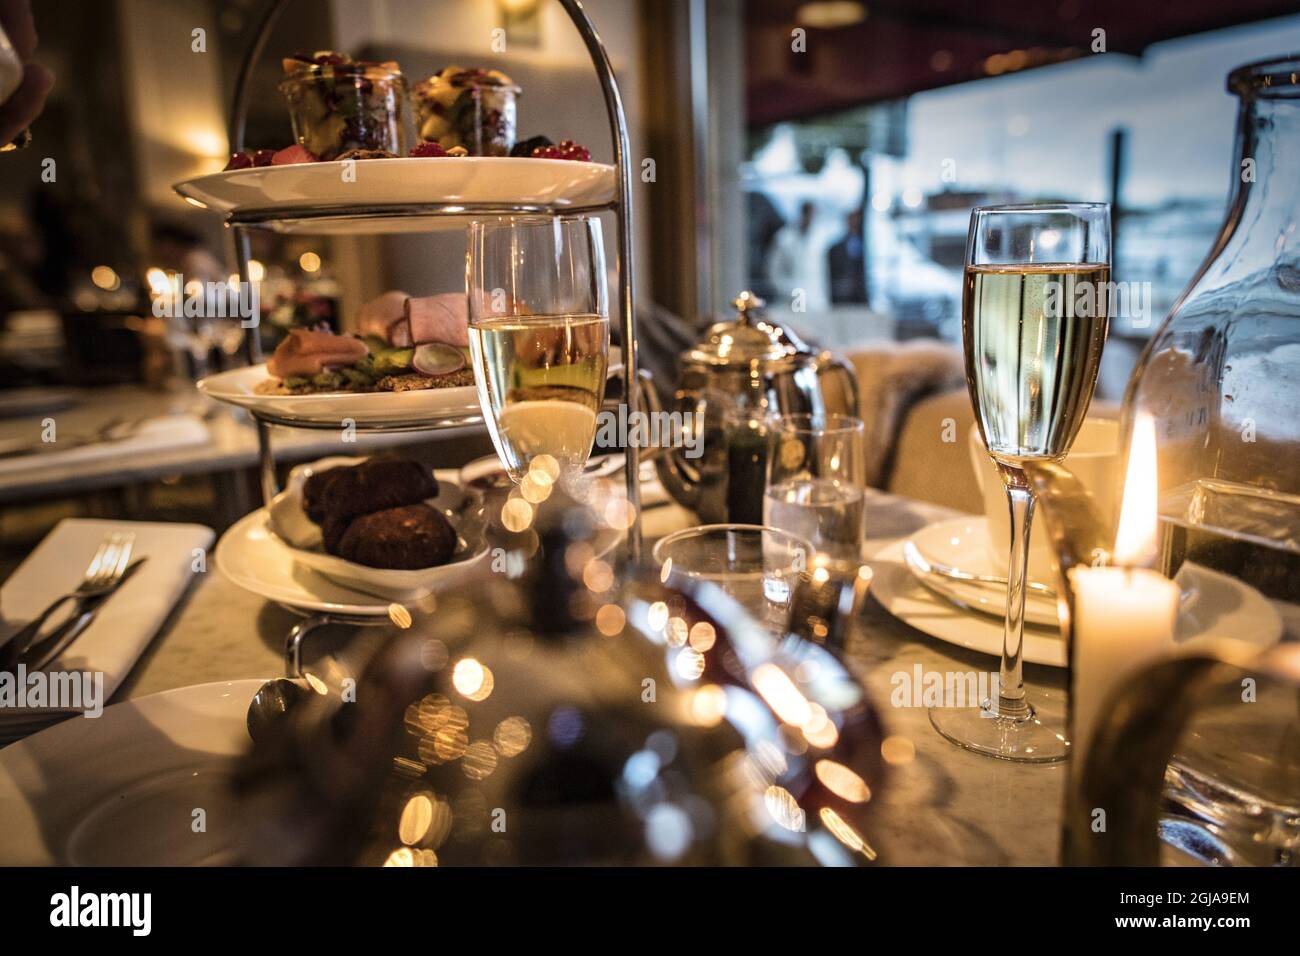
pixel 399 195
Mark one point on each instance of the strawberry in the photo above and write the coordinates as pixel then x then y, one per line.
pixel 428 150
pixel 239 161
pixel 263 157
pixel 292 154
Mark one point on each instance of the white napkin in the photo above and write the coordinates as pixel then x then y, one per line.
pixel 127 621
pixel 157 434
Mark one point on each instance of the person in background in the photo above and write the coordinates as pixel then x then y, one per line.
pixel 793 264
pixel 847 262
pixel 25 104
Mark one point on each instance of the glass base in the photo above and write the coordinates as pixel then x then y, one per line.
pixel 1027 738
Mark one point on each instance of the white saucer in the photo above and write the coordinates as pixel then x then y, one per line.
pixel 898 592
pixel 121 789
pixel 253 558
pixel 963 543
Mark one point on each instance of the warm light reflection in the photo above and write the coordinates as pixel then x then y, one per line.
pixel 610 620
pixel 657 615
pixel 1136 537
pixel 819 729
pixel 472 679
pixel 598 576
pixel 897 751
pixel 309 262
pixel 545 465
pixel 399 615
pixel 256 271
pixel 480 760
pixel 702 636
pixel 105 278
pixel 536 486
pixel 620 514
pixel 413 826
pixel 516 515
pixel 784 808
pixel 708 705
pixel 842 781
pixel 512 736
pixel 775 687
pixel 842 831
pixel 677 632
pixel 690 663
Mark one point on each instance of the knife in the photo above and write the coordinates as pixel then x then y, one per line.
pixel 39 655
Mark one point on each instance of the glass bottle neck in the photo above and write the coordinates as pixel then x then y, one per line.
pixel 1263 222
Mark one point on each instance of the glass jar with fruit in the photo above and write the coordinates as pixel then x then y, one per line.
pixel 473 109
pixel 338 104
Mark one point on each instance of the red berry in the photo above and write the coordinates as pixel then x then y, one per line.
pixel 547 152
pixel 292 154
pixel 239 161
pixel 263 157
pixel 428 150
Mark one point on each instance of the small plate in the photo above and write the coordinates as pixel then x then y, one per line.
pixel 253 558
pixel 902 595
pixel 963 543
pixel 121 789
pixel 463 509
pixel 359 192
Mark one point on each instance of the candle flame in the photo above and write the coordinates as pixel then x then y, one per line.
pixel 1136 537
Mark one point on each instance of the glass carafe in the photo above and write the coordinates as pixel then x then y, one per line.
pixel 1221 377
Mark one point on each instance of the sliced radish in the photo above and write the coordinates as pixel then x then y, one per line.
pixel 435 358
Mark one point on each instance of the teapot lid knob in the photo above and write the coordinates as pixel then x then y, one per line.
pixel 747 303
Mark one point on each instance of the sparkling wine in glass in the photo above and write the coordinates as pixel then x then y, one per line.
pixel 1035 309
pixel 539 338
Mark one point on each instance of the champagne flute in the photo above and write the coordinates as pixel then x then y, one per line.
pixel 539 340
pixel 1035 309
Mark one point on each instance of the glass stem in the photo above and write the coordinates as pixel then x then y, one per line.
pixel 1011 680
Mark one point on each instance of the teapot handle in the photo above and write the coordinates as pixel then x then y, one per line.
pixel 675 478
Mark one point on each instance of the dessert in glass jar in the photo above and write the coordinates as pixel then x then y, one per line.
pixel 473 109
pixel 338 104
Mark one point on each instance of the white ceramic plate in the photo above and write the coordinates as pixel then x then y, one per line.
pixel 253 558
pixel 963 543
pixel 1214 606
pixel 898 592
pixel 238 386
pixel 429 406
pixel 121 789
pixel 551 184
pixel 290 523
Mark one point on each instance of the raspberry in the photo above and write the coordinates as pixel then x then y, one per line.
pixel 547 152
pixel 428 149
pixel 571 150
pixel 239 161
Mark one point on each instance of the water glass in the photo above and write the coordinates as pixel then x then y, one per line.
pixel 816 469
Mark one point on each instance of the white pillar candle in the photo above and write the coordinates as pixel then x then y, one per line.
pixel 1124 616
pixel 1123 619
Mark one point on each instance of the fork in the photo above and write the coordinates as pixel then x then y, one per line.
pixel 101 576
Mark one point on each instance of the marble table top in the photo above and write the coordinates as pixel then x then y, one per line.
pixel 943 806
pixel 231 444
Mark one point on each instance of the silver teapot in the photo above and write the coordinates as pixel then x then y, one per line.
pixel 747 369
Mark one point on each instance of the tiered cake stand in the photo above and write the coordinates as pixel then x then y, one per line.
pixel 378 218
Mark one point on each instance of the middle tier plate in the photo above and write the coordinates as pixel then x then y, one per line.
pixel 399 195
pixel 429 407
